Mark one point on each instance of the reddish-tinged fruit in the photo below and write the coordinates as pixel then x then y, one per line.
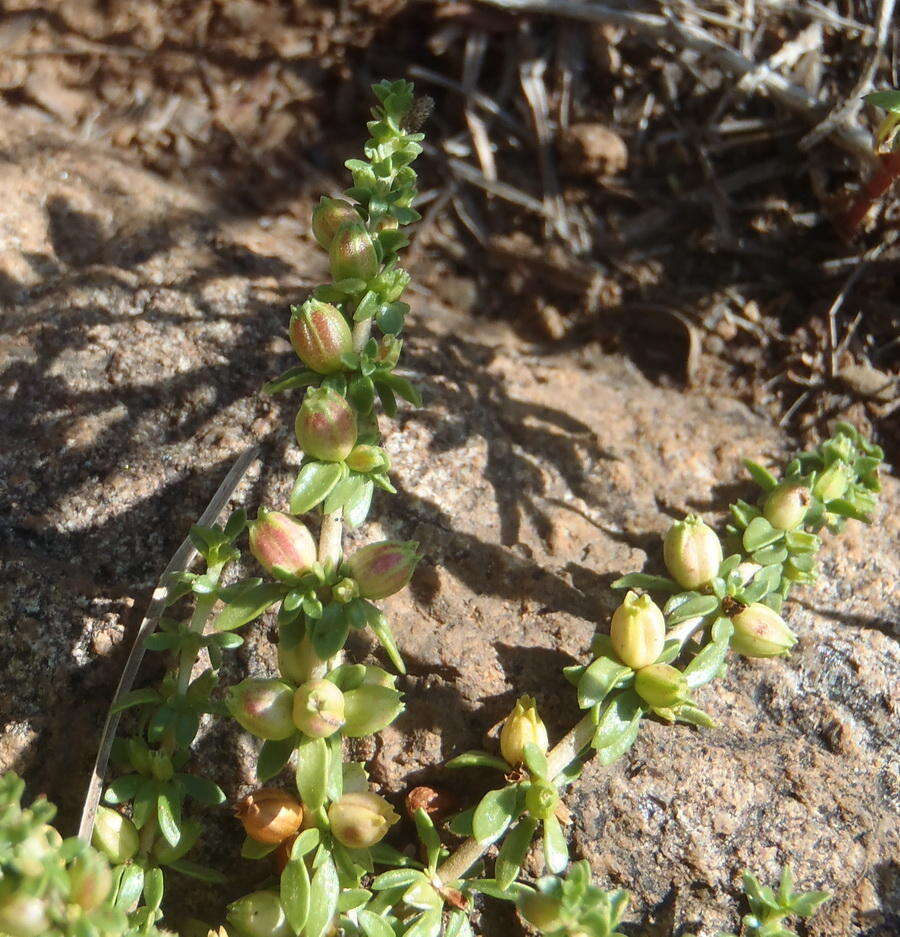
pixel 361 820
pixel 263 707
pixel 328 216
pixel 318 708
pixel 326 426
pixel 270 815
pixel 281 543
pixel 352 253
pixel 381 569
pixel 786 505
pixel 320 336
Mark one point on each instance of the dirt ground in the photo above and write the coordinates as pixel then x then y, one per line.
pixel 627 278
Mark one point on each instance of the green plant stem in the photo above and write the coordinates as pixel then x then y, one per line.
pixel 330 535
pixel 202 609
pixel 362 331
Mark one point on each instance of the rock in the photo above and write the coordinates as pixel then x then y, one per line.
pixel 592 149
pixel 532 477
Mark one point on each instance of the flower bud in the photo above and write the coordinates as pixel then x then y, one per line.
pixel 761 632
pixel 320 336
pixel 115 836
pixel 23 916
pixel 522 726
pixel 352 253
pixel 661 685
pixel 328 216
pixel 161 766
pixel 542 911
pixel 90 880
pixel 263 707
pixel 365 458
pixel 383 568
pixel 281 543
pixel 388 353
pixel 299 662
pixel 318 708
pixel 833 482
pixel 326 425
pixel 259 914
pixel 786 505
pixel 270 815
pixel 541 800
pixel 637 631
pixel 345 590
pixel 361 820
pixel 692 552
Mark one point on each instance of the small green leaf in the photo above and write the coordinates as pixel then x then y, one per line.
pixel 536 760
pixel 762 476
pixel 273 756
pixel 313 484
pixel 168 813
pixel 130 887
pixel 202 790
pixel 495 812
pixel 136 698
pixel 556 852
pixel 329 633
pixel 428 836
pixel 696 607
pixel 373 925
pixel 599 679
pixel 153 888
pixel 291 379
pixel 646 582
pixel 246 606
pixel 512 852
pixel 305 843
pixel 400 386
pixel 295 893
pixel 342 492
pixel 888 100
pixel 760 533
pixel 427 925
pixel 196 870
pixel 356 507
pixel 123 788
pixel 312 772
pixel 806 904
pixel 394 878
pixel 323 899
pixel 382 630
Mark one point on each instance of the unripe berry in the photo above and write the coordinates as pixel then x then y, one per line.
pixel 352 253
pixel 361 820
pixel 761 632
pixel 320 336
pixel 299 662
pixel 115 836
pixel 263 707
pixel 692 552
pixel 281 544
pixel 328 216
pixel 786 505
pixel 259 914
pixel 637 631
pixel 661 685
pixel 383 568
pixel 522 727
pixel 90 880
pixel 318 708
pixel 23 916
pixel 270 815
pixel 326 426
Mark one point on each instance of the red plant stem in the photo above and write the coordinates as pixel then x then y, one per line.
pixel 879 182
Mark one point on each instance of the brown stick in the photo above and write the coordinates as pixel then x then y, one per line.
pixel 887 173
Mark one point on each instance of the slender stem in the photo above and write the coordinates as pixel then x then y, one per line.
pixel 330 550
pixel 202 608
pixel 361 334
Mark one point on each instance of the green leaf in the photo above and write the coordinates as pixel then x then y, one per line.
pixel 130 887
pixel 694 716
pixel 512 852
pixel 273 756
pixel 704 667
pixel 373 925
pixel 305 843
pixel 394 878
pixel 889 100
pixel 536 760
pixel 312 772
pixel 123 788
pixel 369 709
pixel 291 379
pixel 696 607
pixel 845 508
pixel 334 786
pixel 401 387
pixel 599 679
pixel 366 307
pixel 646 582
pixel 556 852
pixel 382 630
pixel 341 493
pixel 773 555
pixel 295 893
pixel 356 507
pixel 200 872
pixel 329 633
pixel 202 790
pixel 136 698
pixel 153 888
pixel 427 925
pixel 495 812
pixel 760 533
pixel 428 836
pixel 352 898
pixel 246 606
pixel 620 715
pixel 323 899
pixel 762 476
pixel 806 904
pixel 168 813
pixel 313 484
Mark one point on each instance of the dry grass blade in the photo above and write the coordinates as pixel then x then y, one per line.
pixel 664 29
pixel 184 556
